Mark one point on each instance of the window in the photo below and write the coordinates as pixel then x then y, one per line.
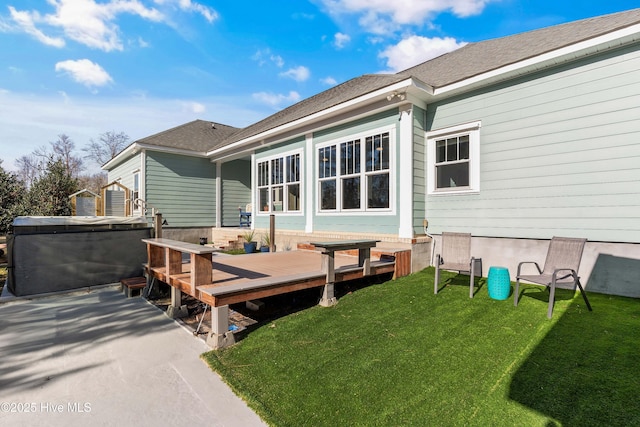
pixel 355 175
pixel 135 194
pixel 279 184
pixel 453 159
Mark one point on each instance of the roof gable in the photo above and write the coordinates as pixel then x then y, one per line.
pixel 198 135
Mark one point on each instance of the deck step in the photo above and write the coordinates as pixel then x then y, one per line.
pixel 133 285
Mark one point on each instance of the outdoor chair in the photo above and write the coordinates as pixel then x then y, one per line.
pixel 245 216
pixel 560 267
pixel 456 256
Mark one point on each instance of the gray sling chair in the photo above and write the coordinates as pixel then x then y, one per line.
pixel 456 256
pixel 560 267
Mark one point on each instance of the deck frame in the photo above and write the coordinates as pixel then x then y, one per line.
pixel 204 279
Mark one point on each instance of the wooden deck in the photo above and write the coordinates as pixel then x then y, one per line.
pixel 220 280
pixel 252 276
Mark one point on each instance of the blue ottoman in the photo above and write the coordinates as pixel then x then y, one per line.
pixel 499 283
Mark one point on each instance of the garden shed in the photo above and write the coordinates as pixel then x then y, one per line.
pixel 86 203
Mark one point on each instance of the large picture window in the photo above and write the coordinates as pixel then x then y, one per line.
pixel 279 184
pixel 453 159
pixel 355 175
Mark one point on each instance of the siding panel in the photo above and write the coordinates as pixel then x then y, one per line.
pixel 182 188
pixel 560 154
pixel 236 190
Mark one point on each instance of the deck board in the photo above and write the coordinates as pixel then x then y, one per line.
pixel 245 277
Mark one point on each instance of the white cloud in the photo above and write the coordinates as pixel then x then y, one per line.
pixel 208 13
pixel 329 81
pixel 263 56
pixel 85 72
pixel 28 121
pixel 384 16
pixel 416 49
pixel 340 40
pixel 276 99
pixel 193 107
pixel 25 22
pixel 143 43
pixel 299 74
pixel 94 24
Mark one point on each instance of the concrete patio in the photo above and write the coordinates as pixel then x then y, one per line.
pixel 98 358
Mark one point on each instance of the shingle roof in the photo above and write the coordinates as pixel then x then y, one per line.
pixel 466 62
pixel 336 95
pixel 198 135
pixel 461 64
pixel 481 57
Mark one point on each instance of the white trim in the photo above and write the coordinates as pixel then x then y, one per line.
pixel 254 182
pixel 405 174
pixel 473 130
pixel 143 172
pixel 453 129
pixel 309 161
pixel 380 93
pixel 545 57
pixel 283 155
pixel 137 208
pixel 362 135
pixel 136 147
pixel 218 185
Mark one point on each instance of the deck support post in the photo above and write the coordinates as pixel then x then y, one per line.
pixel 328 296
pixel 176 309
pixel 173 265
pixel 364 261
pixel 220 335
pixel 328 266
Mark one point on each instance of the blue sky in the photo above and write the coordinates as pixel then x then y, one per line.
pixel 85 67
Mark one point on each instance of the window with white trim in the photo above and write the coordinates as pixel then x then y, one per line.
pixel 453 159
pixel 355 175
pixel 279 184
pixel 135 193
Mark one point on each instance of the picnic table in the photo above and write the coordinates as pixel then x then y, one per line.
pixel 328 250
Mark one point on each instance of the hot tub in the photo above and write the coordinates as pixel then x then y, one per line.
pixel 49 254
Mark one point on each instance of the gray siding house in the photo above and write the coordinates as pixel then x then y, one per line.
pixel 515 140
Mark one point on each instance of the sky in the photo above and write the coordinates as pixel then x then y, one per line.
pixel 86 67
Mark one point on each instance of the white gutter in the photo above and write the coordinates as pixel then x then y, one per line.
pixel 573 49
pixel 400 86
pixel 137 147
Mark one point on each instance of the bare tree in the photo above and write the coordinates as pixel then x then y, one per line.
pixel 93 182
pixel 63 151
pixel 107 147
pixel 32 166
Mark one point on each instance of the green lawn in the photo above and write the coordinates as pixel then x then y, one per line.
pixel 396 354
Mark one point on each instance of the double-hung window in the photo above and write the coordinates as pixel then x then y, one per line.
pixel 453 159
pixel 355 175
pixel 279 183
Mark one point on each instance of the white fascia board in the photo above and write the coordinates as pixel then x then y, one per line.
pixel 568 51
pixel 127 152
pixel 135 148
pixel 402 85
pixel 172 150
